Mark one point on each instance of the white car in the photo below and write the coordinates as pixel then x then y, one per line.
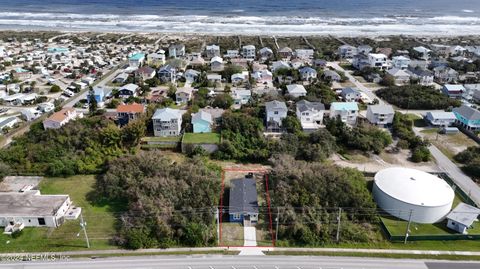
pixel 68 93
pixel 85 106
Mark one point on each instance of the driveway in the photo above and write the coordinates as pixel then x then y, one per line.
pixel 249 237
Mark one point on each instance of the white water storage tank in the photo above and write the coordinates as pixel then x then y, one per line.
pixel 399 191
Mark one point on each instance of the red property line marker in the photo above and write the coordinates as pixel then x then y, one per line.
pixel 269 210
pixel 220 215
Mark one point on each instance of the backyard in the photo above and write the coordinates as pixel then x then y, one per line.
pixel 201 138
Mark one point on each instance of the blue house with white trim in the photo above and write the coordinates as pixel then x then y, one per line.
pixel 243 205
pixel 467 117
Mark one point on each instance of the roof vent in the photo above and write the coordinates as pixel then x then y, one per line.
pixel 412 179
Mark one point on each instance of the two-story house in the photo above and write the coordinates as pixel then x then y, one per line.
pixel 346 111
pixel 129 112
pixel 467 117
pixel 249 52
pixel 276 111
pixel 310 114
pixel 381 115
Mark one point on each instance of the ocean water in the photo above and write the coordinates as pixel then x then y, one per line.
pixel 279 17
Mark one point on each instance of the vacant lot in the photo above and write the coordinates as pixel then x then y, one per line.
pixel 201 138
pixel 449 144
pixel 99 215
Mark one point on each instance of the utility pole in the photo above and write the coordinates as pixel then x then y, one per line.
pixel 83 226
pixel 408 226
pixel 338 223
pixel 218 227
pixel 277 219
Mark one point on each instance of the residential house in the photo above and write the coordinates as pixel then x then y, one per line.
pixel 202 122
pixel 423 53
pixel 364 49
pixel 296 90
pixel 243 201
pixel 400 62
pixel 347 51
pixel 285 53
pixel 239 78
pixel 214 78
pixel 120 78
pixel 440 119
pixel 444 74
pixel 249 52
pixel 241 97
pixel 304 54
pixel 216 114
pixel 319 63
pixel 33 209
pixel 212 51
pixel 276 111
pixel 423 76
pixel 167 122
pixel 308 73
pixel 265 53
pixel 29 114
pixel 176 50
pixel 216 64
pixel 136 60
pixel 381 115
pixel 280 65
pixel 146 72
pixel 191 75
pixel 263 76
pixel 467 117
pixel 8 123
pixel 378 60
pixel 297 63
pixel 156 59
pixel 455 91
pixel 400 76
pixel 21 74
pixel 167 73
pixel 128 90
pixel 346 111
pixel 350 94
pixel 60 118
pixel 456 50
pixel 129 112
pixel 331 75
pixel 360 61
pixel 310 114
pixel 462 218
pixel 100 93
pixel 183 95
pixel 231 54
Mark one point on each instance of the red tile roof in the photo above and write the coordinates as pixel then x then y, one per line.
pixel 131 108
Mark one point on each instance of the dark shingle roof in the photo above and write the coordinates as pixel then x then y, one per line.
pixel 305 105
pixel 243 196
pixel 467 112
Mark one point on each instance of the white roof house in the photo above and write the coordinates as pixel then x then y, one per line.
pixel 380 114
pixel 442 119
pixel 296 90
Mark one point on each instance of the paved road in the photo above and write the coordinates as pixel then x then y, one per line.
pixel 237 262
pixel 457 175
pixel 357 83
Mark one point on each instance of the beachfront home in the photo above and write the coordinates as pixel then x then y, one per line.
pixel 128 90
pixel 232 54
pixel 453 90
pixel 202 122
pixel 167 73
pixel 440 119
pixel 467 117
pixel 304 54
pixel 249 52
pixel 129 112
pixel 296 90
pixel 400 62
pixel 60 118
pixel 243 201
pixel 364 49
pixel 136 60
pixel 265 53
pixel 285 53
pixel 176 50
pixel 310 114
pixel 276 111
pixel 400 76
pixel 346 111
pixel 308 73
pixel 212 51
pixel 183 95
pixel 381 115
pixel 167 122
pixel 422 52
pixel 347 51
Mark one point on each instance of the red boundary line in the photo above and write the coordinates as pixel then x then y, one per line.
pixel 221 204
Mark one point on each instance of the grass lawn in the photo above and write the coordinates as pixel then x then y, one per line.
pixel 232 234
pixel 199 138
pixel 162 139
pixel 99 216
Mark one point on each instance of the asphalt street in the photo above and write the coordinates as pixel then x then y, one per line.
pixel 239 262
